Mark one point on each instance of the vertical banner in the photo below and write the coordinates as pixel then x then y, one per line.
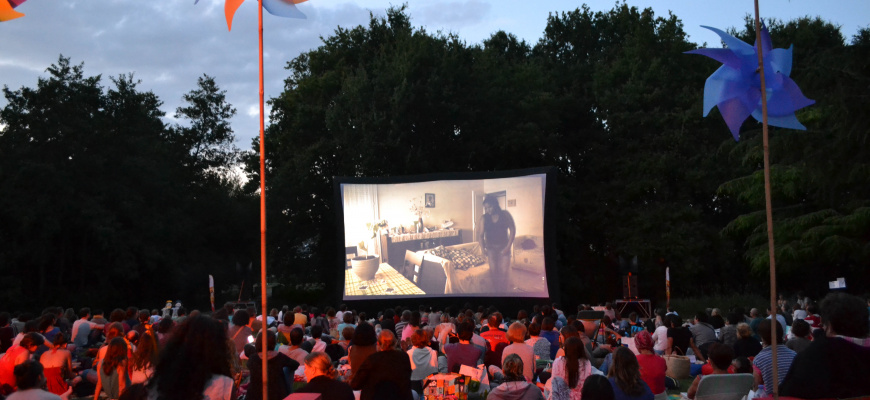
pixel 668 284
pixel 211 291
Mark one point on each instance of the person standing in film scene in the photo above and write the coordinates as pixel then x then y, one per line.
pixel 495 233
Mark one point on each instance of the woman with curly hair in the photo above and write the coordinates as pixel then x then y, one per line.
pixel 625 378
pixel 112 373
pixel 195 364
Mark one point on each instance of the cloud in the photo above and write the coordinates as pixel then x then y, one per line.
pixel 455 14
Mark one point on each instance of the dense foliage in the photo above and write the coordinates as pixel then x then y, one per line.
pixel 608 98
pixel 103 204
pixel 101 201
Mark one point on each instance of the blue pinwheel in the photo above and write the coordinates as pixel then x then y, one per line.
pixel 736 86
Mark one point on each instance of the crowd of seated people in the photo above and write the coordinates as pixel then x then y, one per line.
pixel 542 354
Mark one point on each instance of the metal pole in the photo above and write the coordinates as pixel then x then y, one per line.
pixel 263 311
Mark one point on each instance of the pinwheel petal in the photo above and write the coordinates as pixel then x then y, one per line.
pixel 724 56
pixel 724 84
pixel 734 112
pixel 283 8
pixel 787 100
pixel 734 44
pixel 230 7
pixel 6 11
pixel 789 121
pixel 766 43
pixel 780 60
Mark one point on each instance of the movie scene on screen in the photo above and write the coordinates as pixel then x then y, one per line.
pixel 445 238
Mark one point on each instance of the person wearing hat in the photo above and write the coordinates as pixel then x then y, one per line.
pixel 652 366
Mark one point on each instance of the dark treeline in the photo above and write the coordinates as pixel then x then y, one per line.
pixel 103 202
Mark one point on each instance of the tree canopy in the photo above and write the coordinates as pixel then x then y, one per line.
pixel 608 98
pixel 104 202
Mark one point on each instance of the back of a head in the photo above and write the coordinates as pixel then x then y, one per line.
pixel 364 335
pixel 517 332
pixel 800 328
pixel 626 371
pixel 386 340
pixel 495 320
pixel 702 316
pixel 597 387
pixel 415 319
pixel 513 368
pixel 764 331
pixel 569 331
pixel 84 312
pixel 534 329
pixel 465 330
pixel 347 332
pixel 296 336
pixel 420 338
pixel 845 314
pixel 721 355
pixel 28 375
pixel 347 317
pixel 241 318
pixel 743 330
pixel 734 318
pixel 316 331
pixel 271 340
pixel 548 324
pixel 319 361
pixel 117 315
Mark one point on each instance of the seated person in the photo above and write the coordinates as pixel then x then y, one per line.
pixel 764 360
pixel 746 345
pixel 720 359
pixel 29 379
pixel 462 353
pixel 838 363
pixel 320 375
pixel 385 374
pixel 800 329
pixel 515 385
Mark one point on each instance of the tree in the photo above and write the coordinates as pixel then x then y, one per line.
pixel 209 137
pixel 821 213
pixel 98 206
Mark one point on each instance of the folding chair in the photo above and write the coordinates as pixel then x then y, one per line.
pixel 724 387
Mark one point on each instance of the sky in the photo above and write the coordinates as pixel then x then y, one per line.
pixel 168 44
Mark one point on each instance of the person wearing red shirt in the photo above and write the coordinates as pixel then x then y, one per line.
pixel 652 366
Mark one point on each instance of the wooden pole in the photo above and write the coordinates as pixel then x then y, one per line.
pixel 263 311
pixel 768 207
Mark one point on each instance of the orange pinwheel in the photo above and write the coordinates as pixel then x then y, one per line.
pixel 7 9
pixel 281 8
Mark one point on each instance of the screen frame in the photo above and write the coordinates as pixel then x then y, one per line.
pixel 550 218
